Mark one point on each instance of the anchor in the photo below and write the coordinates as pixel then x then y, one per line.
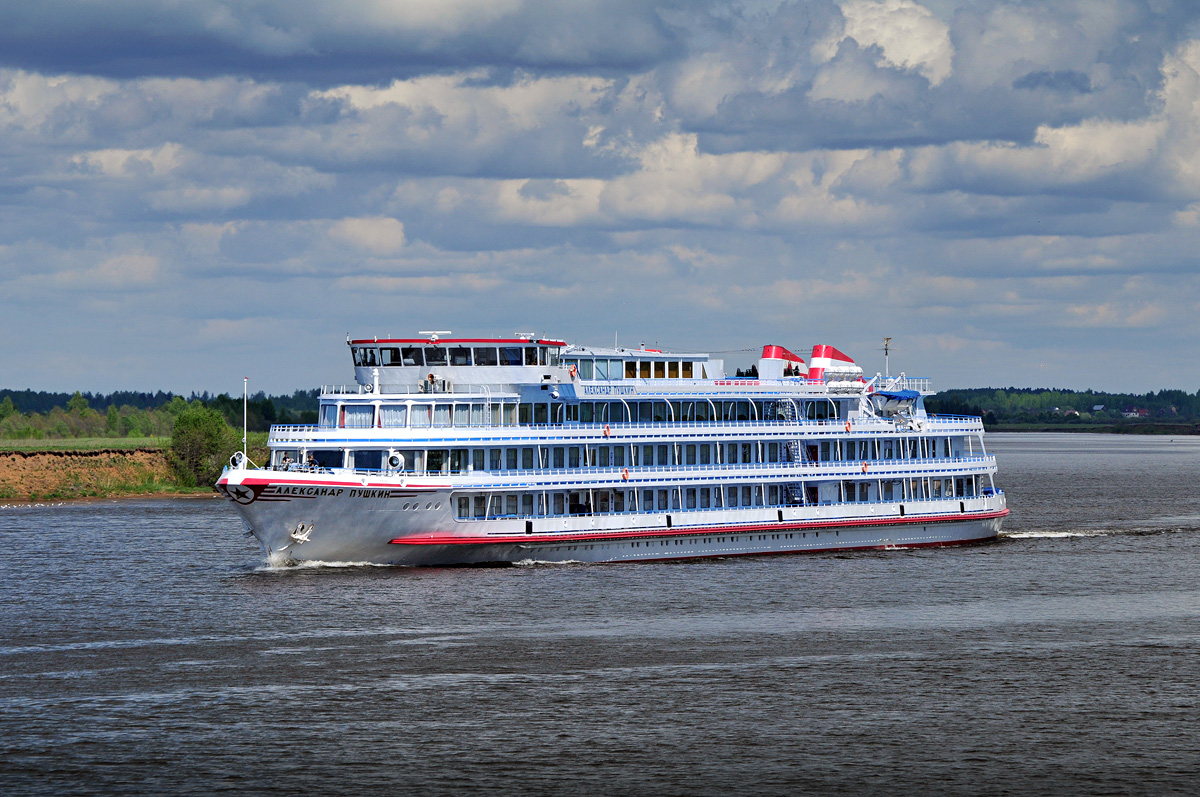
pixel 301 533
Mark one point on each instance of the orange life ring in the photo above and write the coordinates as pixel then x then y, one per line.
pixel 572 371
pixel 625 474
pixel 864 467
pixel 607 431
pixel 847 426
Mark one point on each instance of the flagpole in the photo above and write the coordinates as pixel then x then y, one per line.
pixel 245 396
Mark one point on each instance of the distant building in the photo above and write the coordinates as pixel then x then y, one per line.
pixel 1097 408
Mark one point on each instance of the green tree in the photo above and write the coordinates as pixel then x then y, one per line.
pixel 7 408
pixel 113 421
pixel 77 404
pixel 200 442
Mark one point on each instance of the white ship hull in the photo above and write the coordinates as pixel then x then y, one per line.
pixel 388 524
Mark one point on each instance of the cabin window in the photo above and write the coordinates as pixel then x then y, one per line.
pixel 772 452
pixel 705 454
pixel 602 369
pixel 585 369
pixel 615 369
pixel 690 455
pixel 527 459
pixel 510 355
pixel 390 357
pixel 644 369
pixel 704 498
pixel 441 415
pixel 541 413
pixel 630 369
pixel 393 416
pixel 686 369
pixel 328 416
pixel 367 459
pixel 702 409
pixel 464 508
pixel 480 502
pixel 484 355
pixel 435 355
pixel 462 414
pixel 731 496
pixel 672 370
pixel 460 355
pixel 531 355
pixel 436 460
pixel 328 459
pixel 421 416
pixel 660 370
pixel 358 416
pixel 619 457
pixel 411 355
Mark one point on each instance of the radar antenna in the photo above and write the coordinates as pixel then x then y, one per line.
pixel 887 348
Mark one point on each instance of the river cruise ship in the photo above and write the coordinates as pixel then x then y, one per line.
pixel 450 451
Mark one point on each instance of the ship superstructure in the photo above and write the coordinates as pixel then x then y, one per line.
pixel 479 450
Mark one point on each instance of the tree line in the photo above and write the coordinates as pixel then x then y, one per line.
pixel 153 414
pixel 1049 405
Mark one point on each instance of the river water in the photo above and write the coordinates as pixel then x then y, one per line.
pixel 145 648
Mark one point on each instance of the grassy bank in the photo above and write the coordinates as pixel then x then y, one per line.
pixel 1100 428
pixel 87 444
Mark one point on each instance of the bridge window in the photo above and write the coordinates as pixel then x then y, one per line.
pixel 660 370
pixel 483 356
pixel 510 355
pixel 686 367
pixel 644 369
pixel 435 355
pixel 411 355
pixel 672 370
pixel 390 356
pixel 630 369
pixel 460 355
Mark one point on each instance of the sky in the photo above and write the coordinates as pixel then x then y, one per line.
pixel 193 193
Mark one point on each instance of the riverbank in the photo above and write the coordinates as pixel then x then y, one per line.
pixel 93 473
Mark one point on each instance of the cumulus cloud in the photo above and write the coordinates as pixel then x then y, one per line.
pixel 980 176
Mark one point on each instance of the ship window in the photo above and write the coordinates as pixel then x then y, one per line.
pixel 477 415
pixel 704 498
pixel 531 355
pixel 558 457
pixel 630 369
pixel 393 415
pixel 328 415
pixel 705 455
pixel 662 500
pixel 436 460
pixel 773 496
pixel 526 414
pixel 660 411
pixel 435 355
pixel 663 459
pixel 602 369
pixel 586 412
pixel 644 369
pixel 441 415
pixel 464 507
pixel 560 505
pixel 746 496
pixel 327 459
pixel 462 414
pixel 527 459
pixel 888 491
pixel 480 506
pixel 460 355
pixel 510 355
pixel 573 457
pixel 746 455
pixel 585 369
pixel 390 357
pixel 686 368
pixel 541 413
pixel 690 455
pixel 458 460
pixel 772 452
pixel 672 370
pixel 702 410
pixel 619 457
pixel 411 355
pixel 422 415
pixel 510 507
pixel 484 355
pixel 660 370
pixel 602 456
pixel 731 496
pixel 615 369
pixel 358 416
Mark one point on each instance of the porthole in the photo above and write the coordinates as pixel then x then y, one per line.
pixel 404 508
pixel 438 505
pixel 429 505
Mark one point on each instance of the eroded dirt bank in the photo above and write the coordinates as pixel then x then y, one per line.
pixel 36 475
